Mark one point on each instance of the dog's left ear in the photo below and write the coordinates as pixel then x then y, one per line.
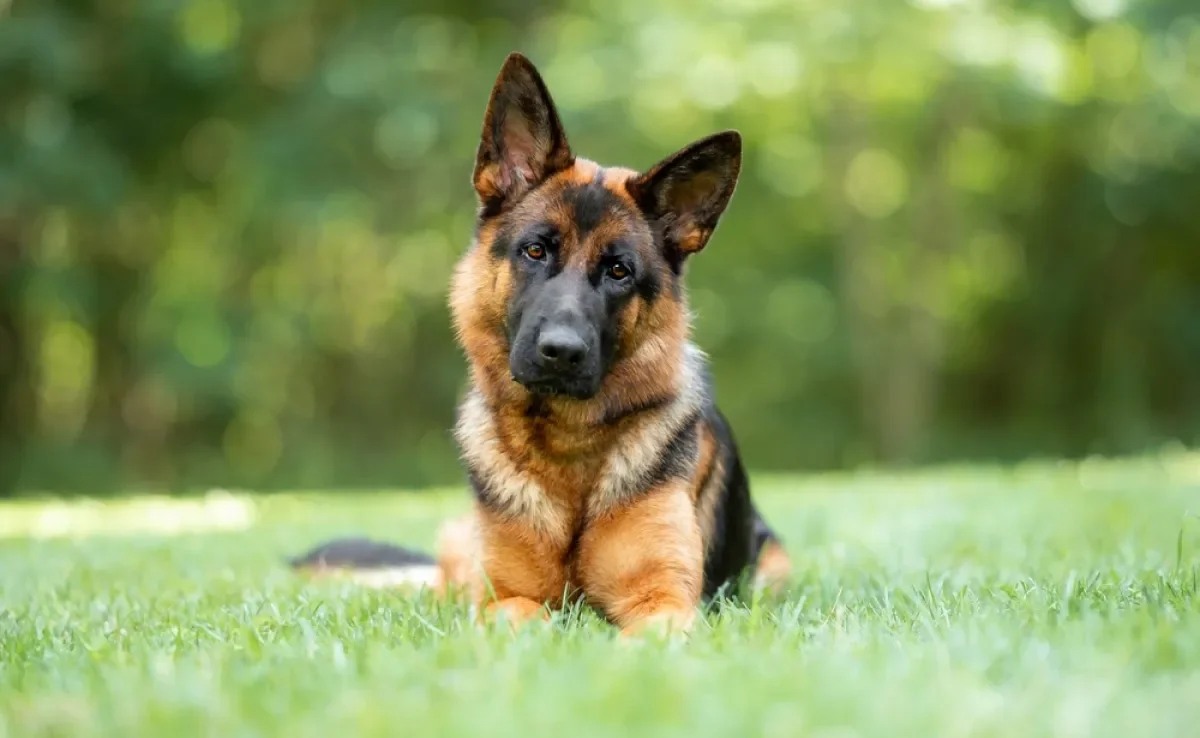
pixel 686 193
pixel 523 141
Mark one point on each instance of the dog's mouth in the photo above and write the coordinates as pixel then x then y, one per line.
pixel 573 388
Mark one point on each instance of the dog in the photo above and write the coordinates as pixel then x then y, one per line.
pixel 600 465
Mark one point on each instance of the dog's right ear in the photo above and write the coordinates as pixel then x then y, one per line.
pixel 686 193
pixel 523 141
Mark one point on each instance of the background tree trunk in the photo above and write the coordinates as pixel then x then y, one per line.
pixel 16 390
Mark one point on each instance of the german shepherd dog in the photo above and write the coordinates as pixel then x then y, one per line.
pixel 600 465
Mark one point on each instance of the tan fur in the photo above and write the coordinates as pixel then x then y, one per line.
pixel 517 610
pixel 567 467
pixel 645 560
pixel 522 561
pixel 460 556
pixel 774 568
pixel 567 512
pixel 707 487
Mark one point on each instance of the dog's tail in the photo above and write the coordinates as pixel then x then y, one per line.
pixel 376 564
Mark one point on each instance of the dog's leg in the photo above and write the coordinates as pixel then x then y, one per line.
pixel 460 559
pixel 524 574
pixel 773 565
pixel 643 564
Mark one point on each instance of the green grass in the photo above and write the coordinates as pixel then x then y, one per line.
pixel 1044 600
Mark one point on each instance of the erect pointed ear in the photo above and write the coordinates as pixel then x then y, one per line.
pixel 687 192
pixel 523 141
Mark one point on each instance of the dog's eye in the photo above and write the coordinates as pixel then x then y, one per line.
pixel 535 251
pixel 618 271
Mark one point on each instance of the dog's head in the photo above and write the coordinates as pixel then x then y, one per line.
pixel 576 265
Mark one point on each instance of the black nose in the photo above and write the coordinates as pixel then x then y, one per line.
pixel 561 349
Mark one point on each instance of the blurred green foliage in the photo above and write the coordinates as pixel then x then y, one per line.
pixel 965 228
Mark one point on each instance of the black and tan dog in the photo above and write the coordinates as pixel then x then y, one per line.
pixel 600 464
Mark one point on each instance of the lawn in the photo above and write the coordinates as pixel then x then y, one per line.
pixel 1038 600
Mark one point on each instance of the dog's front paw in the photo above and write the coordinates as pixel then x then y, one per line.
pixel 515 612
pixel 664 623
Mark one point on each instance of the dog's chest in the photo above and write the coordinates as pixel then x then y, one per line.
pixel 516 473
pixel 565 495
